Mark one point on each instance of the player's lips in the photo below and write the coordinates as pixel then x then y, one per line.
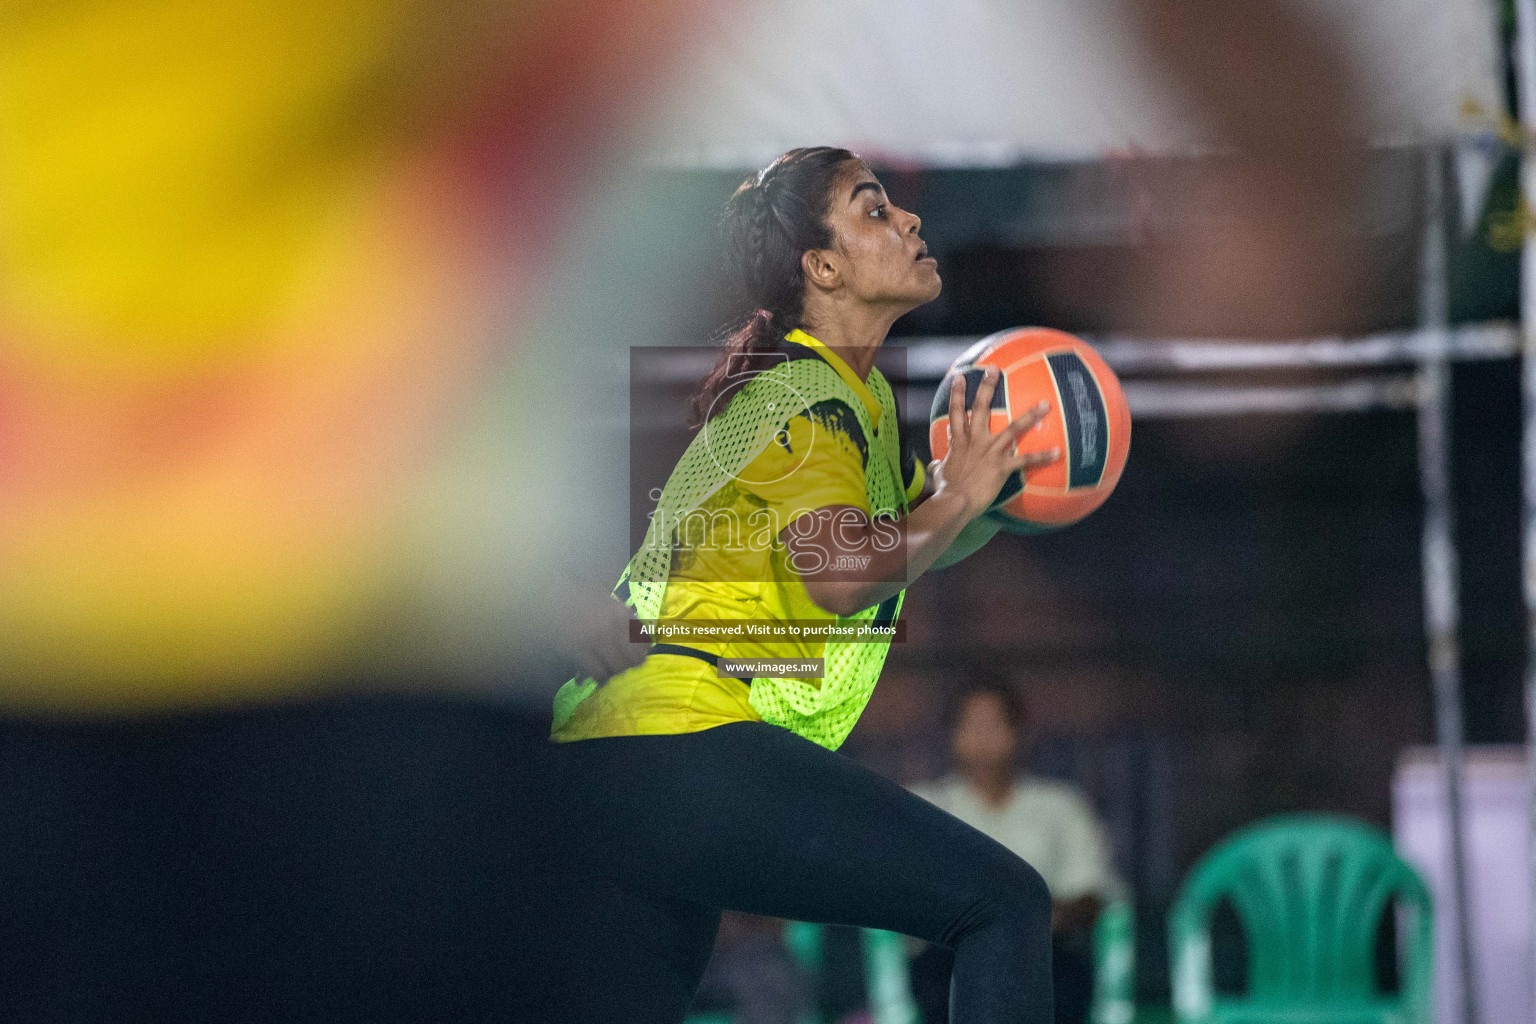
pixel 923 257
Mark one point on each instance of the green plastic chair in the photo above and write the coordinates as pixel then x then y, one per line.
pixel 888 986
pixel 887 983
pixel 1309 891
pixel 1114 966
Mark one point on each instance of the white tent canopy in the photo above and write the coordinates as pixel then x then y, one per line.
pixel 990 82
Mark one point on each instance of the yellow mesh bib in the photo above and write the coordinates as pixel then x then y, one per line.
pixel 720 451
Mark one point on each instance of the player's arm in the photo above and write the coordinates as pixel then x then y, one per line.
pixel 849 563
pixel 973 536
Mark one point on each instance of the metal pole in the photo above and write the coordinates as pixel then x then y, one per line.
pixel 929 358
pixel 1441 611
pixel 1525 90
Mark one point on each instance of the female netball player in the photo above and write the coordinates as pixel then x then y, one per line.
pixel 687 791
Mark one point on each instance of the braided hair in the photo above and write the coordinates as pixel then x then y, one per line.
pixel 773 218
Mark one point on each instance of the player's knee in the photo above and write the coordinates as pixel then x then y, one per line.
pixel 1022 893
pixel 1010 897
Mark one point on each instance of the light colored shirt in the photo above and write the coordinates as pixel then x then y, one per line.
pixel 1047 823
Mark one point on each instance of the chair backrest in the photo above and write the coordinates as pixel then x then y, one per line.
pixel 1114 965
pixel 889 988
pixel 886 981
pixel 1310 891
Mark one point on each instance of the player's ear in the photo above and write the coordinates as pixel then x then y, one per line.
pixel 822 268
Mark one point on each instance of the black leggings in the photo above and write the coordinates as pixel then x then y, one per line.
pixel 753 818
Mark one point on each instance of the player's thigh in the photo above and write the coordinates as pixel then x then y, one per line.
pixel 751 817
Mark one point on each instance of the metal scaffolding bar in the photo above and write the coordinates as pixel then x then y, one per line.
pixel 929 357
pixel 1151 400
pixel 1441 572
pixel 1156 400
pixel 1525 89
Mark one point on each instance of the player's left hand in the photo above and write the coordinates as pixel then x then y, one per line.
pixel 602 645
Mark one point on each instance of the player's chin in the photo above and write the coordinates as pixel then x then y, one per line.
pixel 929 283
pixel 915 289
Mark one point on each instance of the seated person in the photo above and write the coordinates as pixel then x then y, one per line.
pixel 1047 823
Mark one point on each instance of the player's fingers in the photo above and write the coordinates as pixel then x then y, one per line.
pixel 1031 417
pixel 957 409
pixel 603 658
pixel 1034 460
pixel 607 666
pixel 981 409
pixel 633 655
pixel 1007 438
pixel 619 654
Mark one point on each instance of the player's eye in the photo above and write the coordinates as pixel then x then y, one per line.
pixel 878 211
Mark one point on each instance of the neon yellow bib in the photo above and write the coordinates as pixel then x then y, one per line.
pixel 721 449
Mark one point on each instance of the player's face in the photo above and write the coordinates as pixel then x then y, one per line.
pixel 886 262
pixel 984 739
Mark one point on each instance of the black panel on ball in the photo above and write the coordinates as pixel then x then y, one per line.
pixel 1086 419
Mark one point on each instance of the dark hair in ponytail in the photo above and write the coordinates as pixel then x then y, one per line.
pixel 769 223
